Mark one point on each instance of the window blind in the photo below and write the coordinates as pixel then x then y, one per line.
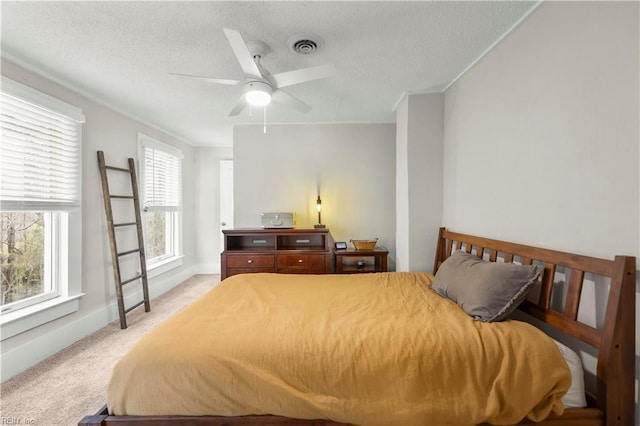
pixel 39 151
pixel 162 178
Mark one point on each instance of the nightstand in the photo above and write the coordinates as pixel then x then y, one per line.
pixel 351 261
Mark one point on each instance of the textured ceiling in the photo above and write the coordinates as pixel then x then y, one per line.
pixel 121 53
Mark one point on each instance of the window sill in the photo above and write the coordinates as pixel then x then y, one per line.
pixel 14 323
pixel 164 266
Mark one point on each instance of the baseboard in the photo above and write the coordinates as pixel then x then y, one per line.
pixel 38 349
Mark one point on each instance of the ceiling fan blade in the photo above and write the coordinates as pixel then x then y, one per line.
pixel 242 52
pixel 284 98
pixel 303 75
pixel 240 105
pixel 210 79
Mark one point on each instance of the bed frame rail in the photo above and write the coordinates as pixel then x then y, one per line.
pixel 615 341
pixel 102 418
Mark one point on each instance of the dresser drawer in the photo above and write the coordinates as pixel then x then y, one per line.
pixel 301 260
pixel 251 261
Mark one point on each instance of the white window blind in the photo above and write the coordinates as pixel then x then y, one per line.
pixel 162 178
pixel 39 150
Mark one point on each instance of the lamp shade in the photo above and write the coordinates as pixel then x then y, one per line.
pixel 257 93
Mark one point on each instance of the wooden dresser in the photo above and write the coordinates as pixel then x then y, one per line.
pixel 292 251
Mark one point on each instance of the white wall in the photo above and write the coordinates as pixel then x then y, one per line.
pixel 403 229
pixel 542 139
pixel 419 147
pixel 116 135
pixel 541 136
pixel 352 165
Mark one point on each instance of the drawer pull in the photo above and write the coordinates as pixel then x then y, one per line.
pixel 259 241
pixel 303 241
pixel 250 261
pixel 299 260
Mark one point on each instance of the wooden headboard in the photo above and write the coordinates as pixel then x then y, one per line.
pixel 615 340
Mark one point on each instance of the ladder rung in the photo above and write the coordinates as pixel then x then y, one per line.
pixel 122 196
pixel 131 279
pixel 134 306
pixel 120 169
pixel 124 224
pixel 124 253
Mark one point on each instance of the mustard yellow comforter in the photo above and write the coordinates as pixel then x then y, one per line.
pixel 371 349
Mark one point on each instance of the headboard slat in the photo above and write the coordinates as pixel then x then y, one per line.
pixel 574 291
pixel 547 285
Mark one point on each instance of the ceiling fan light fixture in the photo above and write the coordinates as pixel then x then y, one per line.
pixel 258 93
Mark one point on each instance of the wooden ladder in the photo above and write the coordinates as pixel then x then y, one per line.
pixel 115 254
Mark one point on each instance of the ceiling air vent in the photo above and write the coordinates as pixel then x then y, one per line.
pixel 305 44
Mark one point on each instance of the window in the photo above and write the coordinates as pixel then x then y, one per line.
pixel 40 203
pixel 161 176
pixel 26 278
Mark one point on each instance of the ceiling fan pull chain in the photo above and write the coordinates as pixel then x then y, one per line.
pixel 264 128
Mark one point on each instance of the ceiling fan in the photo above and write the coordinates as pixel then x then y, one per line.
pixel 260 87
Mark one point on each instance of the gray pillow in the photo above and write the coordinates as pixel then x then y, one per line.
pixel 487 291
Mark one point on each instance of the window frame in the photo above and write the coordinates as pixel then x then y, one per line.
pixel 65 250
pixel 160 265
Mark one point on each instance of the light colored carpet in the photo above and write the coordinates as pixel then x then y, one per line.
pixel 71 384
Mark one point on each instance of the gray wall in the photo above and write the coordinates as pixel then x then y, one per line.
pixel 419 146
pixel 541 137
pixel 352 165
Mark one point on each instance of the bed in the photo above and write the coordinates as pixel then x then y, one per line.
pixel 294 397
